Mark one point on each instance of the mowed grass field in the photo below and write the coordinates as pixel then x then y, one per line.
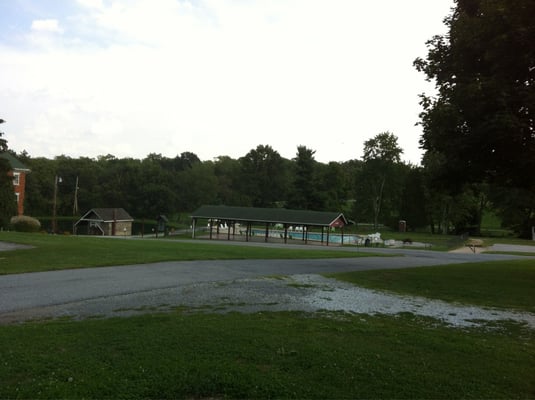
pixel 500 284
pixel 285 355
pixel 264 355
pixel 56 252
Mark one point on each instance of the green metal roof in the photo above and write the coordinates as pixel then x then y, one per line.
pixel 270 215
pixel 13 162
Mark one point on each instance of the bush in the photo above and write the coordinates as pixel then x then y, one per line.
pixel 23 223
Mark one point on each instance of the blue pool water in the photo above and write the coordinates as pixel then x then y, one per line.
pixel 314 236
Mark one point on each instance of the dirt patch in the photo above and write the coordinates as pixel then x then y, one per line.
pixel 470 250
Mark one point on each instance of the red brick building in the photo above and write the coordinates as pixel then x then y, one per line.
pixel 18 172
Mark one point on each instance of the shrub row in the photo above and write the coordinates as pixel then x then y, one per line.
pixel 23 223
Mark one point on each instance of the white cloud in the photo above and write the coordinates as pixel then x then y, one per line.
pixel 219 77
pixel 46 25
pixel 98 4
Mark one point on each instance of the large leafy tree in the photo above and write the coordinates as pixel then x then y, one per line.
pixel 227 173
pixel 379 182
pixel 306 193
pixel 413 200
pixel 119 184
pixel 481 125
pixel 200 186
pixel 7 197
pixel 3 142
pixel 336 184
pixel 40 186
pixel 263 176
pixel 516 207
pixel 154 196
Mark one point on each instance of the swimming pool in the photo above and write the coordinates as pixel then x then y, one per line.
pixel 314 236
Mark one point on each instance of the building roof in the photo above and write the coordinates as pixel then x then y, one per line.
pixel 106 215
pixel 15 164
pixel 271 215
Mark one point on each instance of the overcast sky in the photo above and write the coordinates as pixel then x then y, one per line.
pixel 213 77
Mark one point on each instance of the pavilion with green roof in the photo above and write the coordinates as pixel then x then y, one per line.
pixel 227 218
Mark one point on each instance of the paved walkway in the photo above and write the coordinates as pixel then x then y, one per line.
pixel 513 248
pixel 507 248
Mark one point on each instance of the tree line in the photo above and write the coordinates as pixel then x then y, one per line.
pixel 377 189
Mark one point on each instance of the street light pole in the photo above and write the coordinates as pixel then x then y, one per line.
pixel 57 180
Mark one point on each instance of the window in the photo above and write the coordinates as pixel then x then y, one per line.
pixel 16 178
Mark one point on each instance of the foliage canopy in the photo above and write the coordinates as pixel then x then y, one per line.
pixel 481 126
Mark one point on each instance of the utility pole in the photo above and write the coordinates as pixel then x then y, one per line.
pixel 75 206
pixel 57 180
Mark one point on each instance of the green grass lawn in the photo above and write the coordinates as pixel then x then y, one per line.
pixel 264 355
pixel 449 242
pixel 190 355
pixel 504 284
pixel 54 252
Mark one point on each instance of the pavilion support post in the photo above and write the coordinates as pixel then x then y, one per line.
pixel 305 233
pixel 247 231
pixel 328 234
pixel 193 223
pixel 228 230
pixel 285 233
pixel 322 228
pixel 211 227
pixel 267 232
pixel 342 239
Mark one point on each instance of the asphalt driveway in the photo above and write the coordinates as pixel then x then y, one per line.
pixel 98 291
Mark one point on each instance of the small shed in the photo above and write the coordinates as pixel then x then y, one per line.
pixel 105 222
pixel 161 224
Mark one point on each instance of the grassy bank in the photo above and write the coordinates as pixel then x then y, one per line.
pixel 281 355
pixel 503 284
pixel 54 252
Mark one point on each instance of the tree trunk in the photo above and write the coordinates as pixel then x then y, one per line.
pixel 444 223
pixel 377 204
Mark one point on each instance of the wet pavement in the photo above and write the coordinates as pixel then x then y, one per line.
pixel 108 290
